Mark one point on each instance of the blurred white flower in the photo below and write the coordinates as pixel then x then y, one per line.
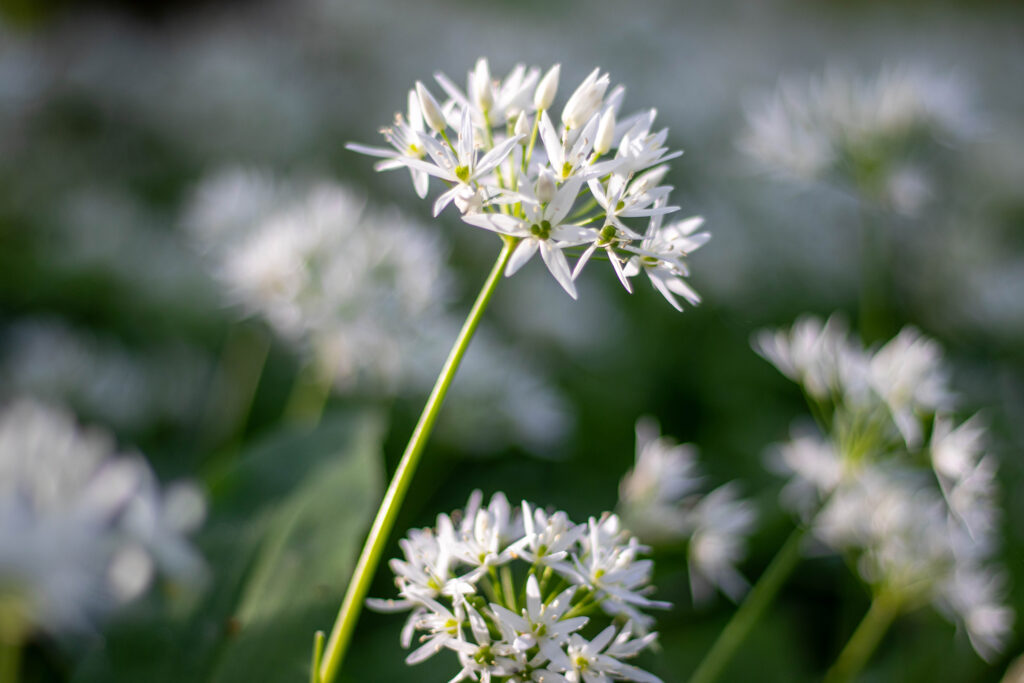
pixel 662 499
pixel 858 130
pixel 908 373
pixel 920 530
pixel 82 528
pixel 365 293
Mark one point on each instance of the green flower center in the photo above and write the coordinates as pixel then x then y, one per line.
pixel 541 230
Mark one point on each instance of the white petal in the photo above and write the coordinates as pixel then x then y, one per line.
pixel 559 267
pixel 523 253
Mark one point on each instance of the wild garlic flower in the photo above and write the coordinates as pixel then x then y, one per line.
pixel 858 131
pixel 83 528
pixel 582 188
pixel 891 479
pixel 515 594
pixel 364 292
pixel 664 500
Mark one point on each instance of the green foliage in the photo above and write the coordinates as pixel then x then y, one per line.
pixel 284 531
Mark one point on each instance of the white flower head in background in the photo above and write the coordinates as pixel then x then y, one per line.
pixel 583 187
pixel 83 529
pixel 509 590
pixel 859 131
pixel 365 294
pixel 891 480
pixel 663 499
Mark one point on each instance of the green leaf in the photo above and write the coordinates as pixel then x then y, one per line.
pixel 284 532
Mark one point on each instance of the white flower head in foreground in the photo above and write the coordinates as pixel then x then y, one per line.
pixel 858 130
pixel 582 188
pixel 82 528
pixel 512 591
pixel 663 499
pixel 892 480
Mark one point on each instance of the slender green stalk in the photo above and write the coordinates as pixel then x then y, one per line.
pixel 754 605
pixel 309 395
pixel 344 625
pixel 858 650
pixel 242 361
pixel 318 653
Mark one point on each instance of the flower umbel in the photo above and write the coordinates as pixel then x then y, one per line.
pixel 584 186
pixel 515 593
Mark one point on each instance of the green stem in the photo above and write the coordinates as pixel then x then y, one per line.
pixel 318 653
pixel 754 605
pixel 309 395
pixel 243 359
pixel 875 309
pixel 345 623
pixel 865 639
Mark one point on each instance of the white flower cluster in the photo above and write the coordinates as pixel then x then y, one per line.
pixel 322 271
pixel 860 130
pixel 364 292
pixel 662 499
pixel 513 591
pixel 582 187
pixel 83 529
pixel 894 481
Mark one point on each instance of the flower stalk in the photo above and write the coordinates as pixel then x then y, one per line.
pixel 369 558
pixel 750 612
pixel 858 650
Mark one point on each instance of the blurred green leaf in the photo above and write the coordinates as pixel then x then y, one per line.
pixel 285 528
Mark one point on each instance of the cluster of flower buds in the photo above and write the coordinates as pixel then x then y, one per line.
pixel 581 189
pixel 522 595
pixel 893 481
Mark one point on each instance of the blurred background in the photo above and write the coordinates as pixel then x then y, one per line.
pixel 144 147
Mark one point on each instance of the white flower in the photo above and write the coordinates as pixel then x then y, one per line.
pixel 529 632
pixel 585 100
pixel 819 356
pixel 531 194
pixel 494 103
pixel 82 528
pixel 661 256
pixel 721 524
pixel 540 229
pixel 598 660
pixel 406 139
pixel 847 127
pixel 909 375
pixel 661 499
pixel 650 494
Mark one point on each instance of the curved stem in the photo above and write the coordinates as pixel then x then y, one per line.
pixel 865 639
pixel 754 605
pixel 359 584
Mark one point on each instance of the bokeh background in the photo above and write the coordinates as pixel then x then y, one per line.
pixel 125 125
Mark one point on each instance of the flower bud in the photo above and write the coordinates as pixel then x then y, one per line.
pixel 483 96
pixel 522 126
pixel 546 89
pixel 586 100
pixel 647 181
pixel 430 108
pixel 545 188
pixel 605 132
